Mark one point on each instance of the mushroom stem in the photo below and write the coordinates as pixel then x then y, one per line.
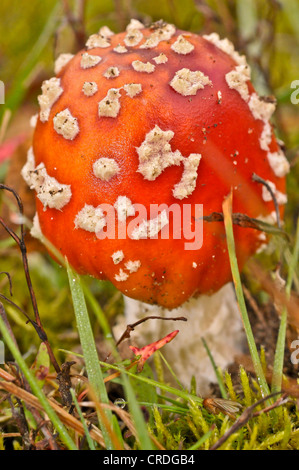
pixel 215 318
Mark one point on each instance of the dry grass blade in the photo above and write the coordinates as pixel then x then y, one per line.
pixel 117 445
pixel 64 416
pixel 227 212
pixel 6 376
pixel 125 417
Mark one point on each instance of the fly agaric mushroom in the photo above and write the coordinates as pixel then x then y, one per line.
pixel 166 119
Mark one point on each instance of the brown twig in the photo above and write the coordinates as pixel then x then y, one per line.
pixel 7 324
pixel 47 441
pixel 21 243
pixel 29 320
pixel 64 416
pixel 9 280
pixel 42 425
pixel 245 221
pixel 131 327
pixel 8 377
pixel 246 416
pixel 76 24
pixel 18 415
pixel 209 15
pixel 21 380
pixel 281 401
pixel 64 380
pixel 260 180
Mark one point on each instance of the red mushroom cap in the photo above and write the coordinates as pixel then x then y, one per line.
pixel 153 116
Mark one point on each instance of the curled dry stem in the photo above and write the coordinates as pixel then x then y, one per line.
pixel 20 240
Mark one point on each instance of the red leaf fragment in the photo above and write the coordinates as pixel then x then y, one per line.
pixel 149 349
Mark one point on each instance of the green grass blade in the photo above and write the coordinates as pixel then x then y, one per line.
pixel 227 211
pixel 36 390
pixel 167 388
pixel 77 406
pixel 279 353
pixel 91 300
pixel 138 418
pixel 174 402
pixel 202 440
pixel 90 354
pixel 293 263
pixel 169 408
pixel 142 432
pixel 280 345
pixel 218 375
pixel 170 370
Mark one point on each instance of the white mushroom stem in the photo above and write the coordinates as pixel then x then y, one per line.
pixel 215 318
